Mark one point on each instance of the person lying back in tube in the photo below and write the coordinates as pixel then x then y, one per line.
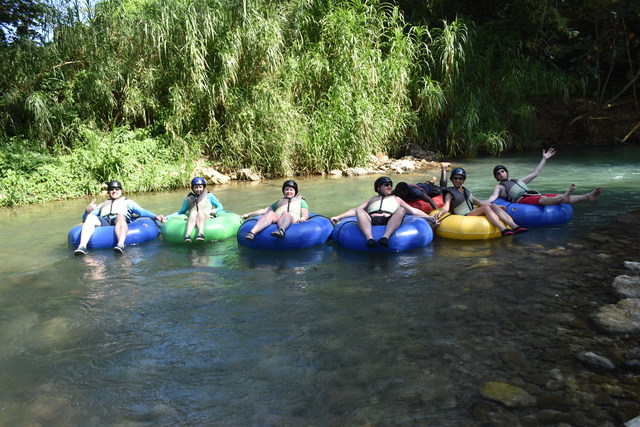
pixel 517 190
pixel 384 209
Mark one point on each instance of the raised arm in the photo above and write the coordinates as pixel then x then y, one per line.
pixel 545 156
pixel 443 174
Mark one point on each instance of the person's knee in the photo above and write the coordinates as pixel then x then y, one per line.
pixel 92 220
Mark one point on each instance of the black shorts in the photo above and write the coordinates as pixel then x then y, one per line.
pixel 108 220
pixel 380 220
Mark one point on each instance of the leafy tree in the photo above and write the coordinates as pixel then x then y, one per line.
pixel 19 19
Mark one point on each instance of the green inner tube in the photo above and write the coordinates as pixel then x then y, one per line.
pixel 225 224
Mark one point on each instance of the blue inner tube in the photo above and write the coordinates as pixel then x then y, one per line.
pixel 413 233
pixel 314 231
pixel 536 215
pixel 140 231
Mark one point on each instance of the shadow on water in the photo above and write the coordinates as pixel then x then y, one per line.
pixel 176 334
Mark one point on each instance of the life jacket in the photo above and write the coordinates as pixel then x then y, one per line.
pixel 292 205
pixel 201 203
pixel 461 203
pixel 113 207
pixel 515 189
pixel 388 204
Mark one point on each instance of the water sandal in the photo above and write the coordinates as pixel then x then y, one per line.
pixel 384 242
pixel 520 230
pixel 187 239
pixel 279 233
pixel 200 237
pixel 118 249
pixel 506 232
pixel 371 243
pixel 250 237
pixel 81 251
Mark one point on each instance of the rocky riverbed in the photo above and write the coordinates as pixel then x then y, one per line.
pixel 581 366
pixel 568 357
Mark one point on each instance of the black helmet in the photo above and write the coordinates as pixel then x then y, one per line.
pixel 497 168
pixel 198 181
pixel 113 185
pixel 380 181
pixel 459 172
pixel 290 183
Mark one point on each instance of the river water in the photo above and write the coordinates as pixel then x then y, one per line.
pixel 218 334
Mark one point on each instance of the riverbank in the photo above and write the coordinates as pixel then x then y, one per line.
pixel 378 164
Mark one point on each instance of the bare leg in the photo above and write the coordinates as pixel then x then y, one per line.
pixel 490 214
pixel 569 198
pixel 443 175
pixel 191 222
pixel 394 222
pixel 503 216
pixel 285 220
pixel 122 228
pixel 364 223
pixel 200 221
pixel 88 227
pixel 567 195
pixel 264 221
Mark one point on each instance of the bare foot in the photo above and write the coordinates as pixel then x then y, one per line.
pixel 567 195
pixel 594 194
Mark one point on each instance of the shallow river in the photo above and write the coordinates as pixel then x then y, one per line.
pixel 219 334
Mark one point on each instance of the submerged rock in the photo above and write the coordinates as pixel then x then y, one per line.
pixel 620 318
pixel 627 286
pixel 589 358
pixel 507 394
pixel 632 265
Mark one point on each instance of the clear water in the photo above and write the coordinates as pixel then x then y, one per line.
pixel 219 334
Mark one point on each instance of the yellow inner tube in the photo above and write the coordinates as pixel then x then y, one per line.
pixel 465 227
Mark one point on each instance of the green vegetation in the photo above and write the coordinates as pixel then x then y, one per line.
pixel 139 89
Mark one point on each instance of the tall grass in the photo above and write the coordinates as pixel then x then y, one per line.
pixel 297 86
pixel 32 175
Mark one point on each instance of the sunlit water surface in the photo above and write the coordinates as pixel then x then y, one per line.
pixel 219 334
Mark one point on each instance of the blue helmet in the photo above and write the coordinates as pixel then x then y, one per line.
pixel 198 181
